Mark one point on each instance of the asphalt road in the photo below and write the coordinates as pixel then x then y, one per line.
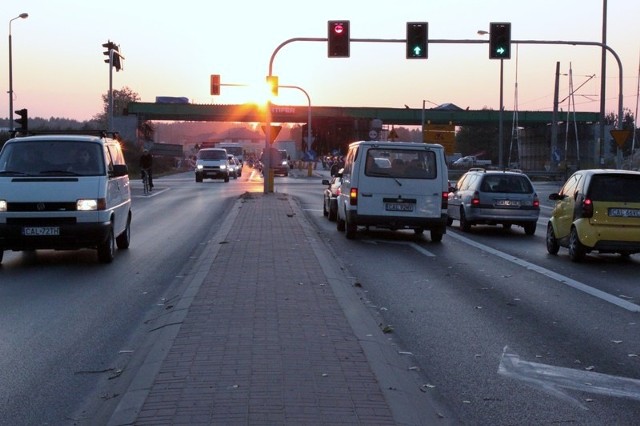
pixel 502 331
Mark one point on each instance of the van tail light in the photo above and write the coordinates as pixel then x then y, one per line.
pixel 587 208
pixel 475 201
pixel 353 197
pixel 445 200
pixel 536 201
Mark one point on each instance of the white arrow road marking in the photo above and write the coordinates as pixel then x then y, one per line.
pixel 551 379
pixel 550 274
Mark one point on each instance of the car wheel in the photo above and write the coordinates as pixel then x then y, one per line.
pixel 123 240
pixel 198 178
pixel 465 226
pixel 530 228
pixel 333 213
pixel 577 251
pixel 325 212
pixel 436 236
pixel 226 178
pixel 552 244
pixel 449 221
pixel 1 255
pixel 418 231
pixel 107 248
pixel 506 226
pixel 340 225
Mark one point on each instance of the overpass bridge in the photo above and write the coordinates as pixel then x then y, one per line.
pixel 299 114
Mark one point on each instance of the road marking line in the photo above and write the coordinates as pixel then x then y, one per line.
pixel 550 274
pixel 414 246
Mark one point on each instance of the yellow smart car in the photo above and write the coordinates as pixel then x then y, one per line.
pixel 596 210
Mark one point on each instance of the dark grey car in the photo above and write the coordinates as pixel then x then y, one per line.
pixel 494 197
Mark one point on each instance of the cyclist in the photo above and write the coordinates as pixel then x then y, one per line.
pixel 146 162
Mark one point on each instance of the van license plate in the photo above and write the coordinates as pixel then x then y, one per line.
pixel 399 207
pixel 37 231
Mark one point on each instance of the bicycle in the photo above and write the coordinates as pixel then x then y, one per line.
pixel 145 181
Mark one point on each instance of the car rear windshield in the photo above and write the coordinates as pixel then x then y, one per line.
pixel 401 163
pixel 212 155
pixel 612 187
pixel 516 184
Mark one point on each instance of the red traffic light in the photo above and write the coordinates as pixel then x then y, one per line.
pixel 338 39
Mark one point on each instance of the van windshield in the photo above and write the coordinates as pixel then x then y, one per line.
pixel 213 154
pixel 52 158
pixel 401 163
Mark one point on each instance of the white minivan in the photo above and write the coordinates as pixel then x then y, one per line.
pixel 394 185
pixel 64 192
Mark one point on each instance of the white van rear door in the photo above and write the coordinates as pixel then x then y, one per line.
pixel 401 182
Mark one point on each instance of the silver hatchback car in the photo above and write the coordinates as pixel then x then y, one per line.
pixel 494 197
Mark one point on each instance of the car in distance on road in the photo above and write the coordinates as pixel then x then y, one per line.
pixel 331 192
pixel 64 192
pixel 494 197
pixel 235 167
pixel 212 163
pixel 596 210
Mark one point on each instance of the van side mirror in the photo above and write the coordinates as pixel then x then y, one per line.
pixel 120 170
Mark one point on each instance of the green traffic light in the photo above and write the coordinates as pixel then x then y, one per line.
pixel 417 51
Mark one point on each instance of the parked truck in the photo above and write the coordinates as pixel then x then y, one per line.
pixel 471 161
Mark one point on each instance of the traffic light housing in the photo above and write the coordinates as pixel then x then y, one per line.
pixel 23 121
pixel 500 40
pixel 215 84
pixel 417 36
pixel 117 64
pixel 338 39
pixel 272 81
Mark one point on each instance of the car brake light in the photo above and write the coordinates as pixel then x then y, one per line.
pixel 445 200
pixel 353 197
pixel 536 201
pixel 587 208
pixel 475 201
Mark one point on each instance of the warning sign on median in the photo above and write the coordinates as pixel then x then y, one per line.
pixel 620 136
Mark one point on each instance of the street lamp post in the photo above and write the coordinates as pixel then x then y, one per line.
pixel 21 16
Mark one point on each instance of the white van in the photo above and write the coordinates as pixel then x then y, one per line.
pixel 64 192
pixel 394 185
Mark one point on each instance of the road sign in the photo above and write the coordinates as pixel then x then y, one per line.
pixel 620 136
pixel 443 134
pixel 273 134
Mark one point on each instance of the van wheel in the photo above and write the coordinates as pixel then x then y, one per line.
pixel 577 251
pixel 350 230
pixel 552 244
pixel 333 213
pixel 107 249
pixel 340 224
pixel 465 226
pixel 436 236
pixel 449 221
pixel 123 240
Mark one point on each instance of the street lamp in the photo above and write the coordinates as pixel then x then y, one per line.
pixel 21 16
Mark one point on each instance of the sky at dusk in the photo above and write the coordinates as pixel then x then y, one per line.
pixel 172 48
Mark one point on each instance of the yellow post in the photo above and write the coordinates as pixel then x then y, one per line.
pixel 270 187
pixel 310 171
